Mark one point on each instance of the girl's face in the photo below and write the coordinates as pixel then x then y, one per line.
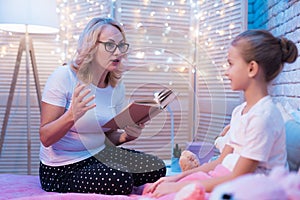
pixel 106 57
pixel 237 71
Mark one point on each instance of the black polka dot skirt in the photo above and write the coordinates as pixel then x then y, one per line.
pixel 112 171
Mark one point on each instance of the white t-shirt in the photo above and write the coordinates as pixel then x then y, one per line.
pixel 86 137
pixel 258 135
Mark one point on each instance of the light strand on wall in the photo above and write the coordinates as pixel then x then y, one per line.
pixel 74 15
pixel 169 11
pixel 170 8
pixel 68 19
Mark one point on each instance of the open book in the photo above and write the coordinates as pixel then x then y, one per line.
pixel 141 111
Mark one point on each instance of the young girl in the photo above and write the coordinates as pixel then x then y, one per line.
pixel 256 141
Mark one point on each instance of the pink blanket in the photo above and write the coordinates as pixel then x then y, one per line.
pixel 23 187
pixel 26 187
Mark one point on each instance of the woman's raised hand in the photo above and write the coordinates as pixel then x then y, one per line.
pixel 79 103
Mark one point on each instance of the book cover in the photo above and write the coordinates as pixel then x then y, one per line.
pixel 141 111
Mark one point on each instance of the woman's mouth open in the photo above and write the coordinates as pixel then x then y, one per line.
pixel 115 61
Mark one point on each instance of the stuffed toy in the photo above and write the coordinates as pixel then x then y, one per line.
pixel 188 160
pixel 191 191
pixel 280 184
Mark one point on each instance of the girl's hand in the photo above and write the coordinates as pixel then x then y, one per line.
pixel 79 103
pixel 151 188
pixel 225 130
pixel 167 188
pixel 134 131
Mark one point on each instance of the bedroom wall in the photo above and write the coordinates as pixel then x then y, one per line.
pixel 185 49
pixel 281 17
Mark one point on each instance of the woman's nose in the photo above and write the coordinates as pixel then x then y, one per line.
pixel 117 51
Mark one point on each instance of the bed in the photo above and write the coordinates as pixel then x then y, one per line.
pixel 27 187
pixel 23 187
pixel 14 186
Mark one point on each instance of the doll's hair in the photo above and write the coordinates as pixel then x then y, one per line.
pixel 268 51
pixel 86 50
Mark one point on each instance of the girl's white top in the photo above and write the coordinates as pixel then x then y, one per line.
pixel 258 135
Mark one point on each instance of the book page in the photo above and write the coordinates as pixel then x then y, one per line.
pixel 167 98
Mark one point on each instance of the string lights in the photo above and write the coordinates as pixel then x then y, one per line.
pixel 209 21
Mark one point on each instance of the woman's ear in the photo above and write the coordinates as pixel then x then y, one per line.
pixel 253 69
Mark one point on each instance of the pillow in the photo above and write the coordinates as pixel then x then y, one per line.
pixel 293 144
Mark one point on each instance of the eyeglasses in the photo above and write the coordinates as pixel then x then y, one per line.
pixel 111 46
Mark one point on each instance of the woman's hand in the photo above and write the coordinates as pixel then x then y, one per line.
pixel 135 130
pixel 128 134
pixel 79 103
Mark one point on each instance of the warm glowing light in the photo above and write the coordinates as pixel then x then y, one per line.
pixel 157 53
pixel 181 69
pixel 138 25
pixel 182 12
pixel 200 28
pixel 166 68
pixel 222 13
pixel 220 78
pixel 225 65
pixel 169 60
pixel 151 68
pixel 140 55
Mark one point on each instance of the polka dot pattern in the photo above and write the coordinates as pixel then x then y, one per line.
pixel 112 171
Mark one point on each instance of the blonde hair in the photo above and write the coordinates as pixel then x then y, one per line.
pixel 268 51
pixel 86 50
